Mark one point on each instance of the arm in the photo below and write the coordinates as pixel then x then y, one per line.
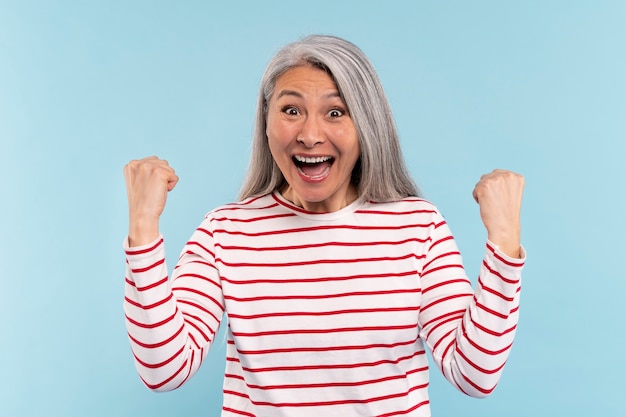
pixel 470 334
pixel 171 324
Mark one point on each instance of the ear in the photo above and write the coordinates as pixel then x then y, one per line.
pixel 266 107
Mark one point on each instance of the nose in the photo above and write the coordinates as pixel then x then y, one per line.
pixel 311 133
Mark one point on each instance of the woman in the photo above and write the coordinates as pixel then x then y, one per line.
pixel 333 272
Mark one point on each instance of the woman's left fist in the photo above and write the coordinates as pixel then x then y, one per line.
pixel 499 195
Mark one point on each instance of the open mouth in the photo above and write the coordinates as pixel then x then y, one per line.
pixel 313 166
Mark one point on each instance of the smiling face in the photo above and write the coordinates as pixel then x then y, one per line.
pixel 313 140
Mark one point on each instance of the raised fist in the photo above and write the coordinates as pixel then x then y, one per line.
pixel 148 181
pixel 499 195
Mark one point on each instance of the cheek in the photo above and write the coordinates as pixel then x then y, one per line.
pixel 279 152
pixel 277 133
pixel 351 144
pixel 273 149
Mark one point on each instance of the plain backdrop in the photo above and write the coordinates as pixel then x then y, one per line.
pixel 538 87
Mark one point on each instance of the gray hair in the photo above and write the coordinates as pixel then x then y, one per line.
pixel 380 174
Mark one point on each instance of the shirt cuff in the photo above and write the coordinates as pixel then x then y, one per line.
pixel 495 249
pixel 143 250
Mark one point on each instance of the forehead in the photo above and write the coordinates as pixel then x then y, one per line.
pixel 305 78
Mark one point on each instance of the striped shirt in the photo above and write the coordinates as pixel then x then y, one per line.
pixel 328 314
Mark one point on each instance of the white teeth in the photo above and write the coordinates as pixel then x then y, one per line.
pixel 312 160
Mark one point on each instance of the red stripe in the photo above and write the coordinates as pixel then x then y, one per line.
pixel 321 279
pixel 198 276
pixel 497 274
pixel 149 306
pixel 159 385
pixel 332 403
pixel 321 245
pixel 199 307
pixel 454 313
pixel 153 285
pixel 326 384
pixel 517 264
pixel 195 326
pixel 193 339
pixel 188 370
pixel 323 331
pixel 237 394
pixel 151 325
pixel 395 213
pixel 482 349
pixel 193 261
pixel 444 267
pixel 443 338
pixel 440 256
pixel 254 219
pixel 441 223
pixel 233 376
pixel 478 368
pixel 448 282
pixel 335 366
pixel 490 311
pixel 322 296
pixel 324 348
pixel 444 299
pixel 198 244
pixel 442 240
pixel 478 387
pixel 417 370
pixel 134 252
pixel 319 228
pixel 205 231
pixel 160 364
pixel 456 317
pixel 159 344
pixel 244 205
pixel 241 413
pixel 200 293
pixel 494 292
pixel 491 332
pixel 149 267
pixel 404 412
pixel 323 313
pixel 315 262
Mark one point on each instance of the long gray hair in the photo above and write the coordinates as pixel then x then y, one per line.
pixel 380 174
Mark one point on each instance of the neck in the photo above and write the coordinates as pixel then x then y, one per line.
pixel 325 206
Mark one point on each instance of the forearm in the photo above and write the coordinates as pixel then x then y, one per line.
pixel 142 230
pixel 476 353
pixel 162 344
pixel 469 332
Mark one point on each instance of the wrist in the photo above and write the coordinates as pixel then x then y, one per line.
pixel 142 231
pixel 509 245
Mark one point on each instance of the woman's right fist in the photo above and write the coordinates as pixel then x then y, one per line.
pixel 148 181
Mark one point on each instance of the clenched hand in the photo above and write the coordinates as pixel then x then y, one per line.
pixel 499 195
pixel 148 181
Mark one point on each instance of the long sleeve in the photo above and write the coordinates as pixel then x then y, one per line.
pixel 470 333
pixel 172 323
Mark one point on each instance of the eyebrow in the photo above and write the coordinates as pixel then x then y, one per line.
pixel 299 95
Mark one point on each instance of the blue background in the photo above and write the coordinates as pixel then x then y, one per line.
pixel 538 87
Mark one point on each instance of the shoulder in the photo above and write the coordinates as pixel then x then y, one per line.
pixel 408 212
pixel 246 209
pixel 406 206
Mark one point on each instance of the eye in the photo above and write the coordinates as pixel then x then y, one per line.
pixel 290 110
pixel 335 113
